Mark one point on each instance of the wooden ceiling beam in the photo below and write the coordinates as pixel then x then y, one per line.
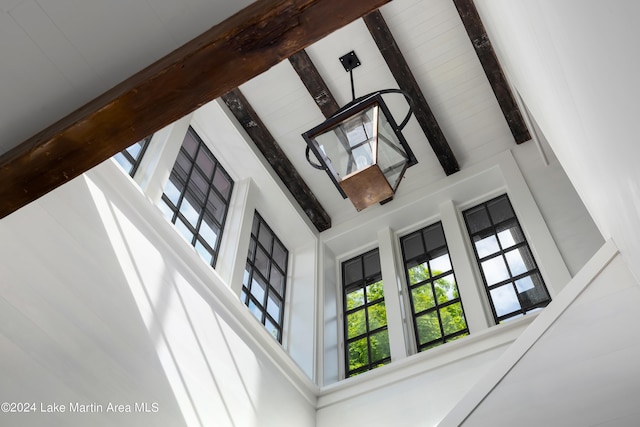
pixel 262 138
pixel 487 56
pixel 221 59
pixel 314 83
pixel 406 82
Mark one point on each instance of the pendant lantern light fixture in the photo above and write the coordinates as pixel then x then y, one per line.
pixel 361 146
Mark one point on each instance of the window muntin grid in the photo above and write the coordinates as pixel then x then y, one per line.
pixel 129 158
pixel 196 197
pixel 437 312
pixel 365 316
pixel 264 282
pixel 510 274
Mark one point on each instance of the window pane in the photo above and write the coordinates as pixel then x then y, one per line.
pixel 453 319
pixel 277 280
pixel 205 162
pixel 274 306
pixel 262 262
pixel 135 149
pixel 353 271
pixel 371 264
pixel 216 206
pixel 412 246
pixel 199 187
pixel 172 191
pixel 184 230
pixel 374 292
pixel 356 324
pixel 500 210
pixel 190 143
pixel 446 288
pixel 434 238
pixel 428 327
pixel 124 162
pixel 209 231
pixel 222 183
pixel 440 265
pixel 532 291
pixel 265 238
pixel 184 164
pixel 477 219
pixel 377 316
pixel 258 288
pixel 510 235
pixel 487 246
pixel 422 298
pixel 380 346
pixel 495 270
pixel 505 300
pixel 355 298
pixel 520 261
pixel 204 252
pixel 419 273
pixel 358 354
pixel 255 226
pixel 246 275
pixel 190 213
pixel 252 250
pixel 255 310
pixel 280 255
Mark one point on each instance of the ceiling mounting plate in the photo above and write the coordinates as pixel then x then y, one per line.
pixel 349 61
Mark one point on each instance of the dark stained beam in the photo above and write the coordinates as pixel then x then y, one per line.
pixel 407 82
pixel 224 57
pixel 481 43
pixel 314 83
pixel 260 135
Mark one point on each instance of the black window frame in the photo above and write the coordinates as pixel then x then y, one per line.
pixel 492 229
pixel 209 201
pixel 368 277
pixel 430 251
pixel 274 265
pixel 134 161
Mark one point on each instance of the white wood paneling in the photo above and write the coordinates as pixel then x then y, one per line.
pixel 568 376
pixel 57 55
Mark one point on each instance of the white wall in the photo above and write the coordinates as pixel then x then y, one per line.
pixel 419 390
pixel 576 65
pixel 583 370
pixel 569 222
pixel 102 302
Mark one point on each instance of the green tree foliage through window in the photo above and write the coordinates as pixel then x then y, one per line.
pixel 366 335
pixel 435 301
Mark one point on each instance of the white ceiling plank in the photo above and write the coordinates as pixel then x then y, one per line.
pixel 33 92
pixel 53 44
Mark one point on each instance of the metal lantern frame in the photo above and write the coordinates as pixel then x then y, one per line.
pixel 352 109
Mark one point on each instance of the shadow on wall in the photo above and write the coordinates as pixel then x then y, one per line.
pixel 216 377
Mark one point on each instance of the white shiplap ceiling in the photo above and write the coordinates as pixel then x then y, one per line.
pixel 56 55
pixel 435 44
pixel 59 54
